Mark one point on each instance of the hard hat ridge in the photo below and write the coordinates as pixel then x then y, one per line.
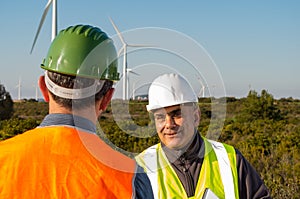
pixel 87 30
pixel 84 51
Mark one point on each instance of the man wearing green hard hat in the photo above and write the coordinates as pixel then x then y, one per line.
pixel 63 157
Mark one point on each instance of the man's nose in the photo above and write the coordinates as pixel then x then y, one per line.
pixel 170 122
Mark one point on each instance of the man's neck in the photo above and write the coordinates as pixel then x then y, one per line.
pixel 174 154
pixel 88 113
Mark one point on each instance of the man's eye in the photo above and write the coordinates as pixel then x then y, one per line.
pixel 159 117
pixel 177 114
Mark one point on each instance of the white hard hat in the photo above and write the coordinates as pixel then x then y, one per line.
pixel 168 90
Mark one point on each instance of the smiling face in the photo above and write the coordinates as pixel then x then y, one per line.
pixel 176 125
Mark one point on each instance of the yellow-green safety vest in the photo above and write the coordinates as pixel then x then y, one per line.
pixel 218 172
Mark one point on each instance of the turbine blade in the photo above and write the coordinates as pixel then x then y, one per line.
pixel 134 73
pixel 139 45
pixel 41 23
pixel 54 19
pixel 121 49
pixel 117 30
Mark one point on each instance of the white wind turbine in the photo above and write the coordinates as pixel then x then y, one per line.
pixel 129 70
pixel 19 89
pixel 134 88
pixel 124 49
pixel 202 90
pixel 36 92
pixel 54 21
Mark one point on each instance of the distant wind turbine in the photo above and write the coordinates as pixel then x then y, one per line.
pixel 19 89
pixel 129 70
pixel 54 21
pixel 134 89
pixel 36 92
pixel 124 49
pixel 202 90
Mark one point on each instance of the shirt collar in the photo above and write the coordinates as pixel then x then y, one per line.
pixel 189 153
pixel 59 119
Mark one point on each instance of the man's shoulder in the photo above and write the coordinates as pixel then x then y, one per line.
pixel 147 154
pixel 150 149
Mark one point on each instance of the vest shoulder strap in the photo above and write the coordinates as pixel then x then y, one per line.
pixel 225 169
pixel 150 164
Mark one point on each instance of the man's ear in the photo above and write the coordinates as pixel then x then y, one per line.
pixel 106 99
pixel 197 116
pixel 43 88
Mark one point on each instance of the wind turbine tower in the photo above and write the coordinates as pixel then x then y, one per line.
pixel 202 90
pixel 36 92
pixel 124 49
pixel 129 70
pixel 19 89
pixel 54 21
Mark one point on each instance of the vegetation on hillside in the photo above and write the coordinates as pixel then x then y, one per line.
pixel 6 104
pixel 265 130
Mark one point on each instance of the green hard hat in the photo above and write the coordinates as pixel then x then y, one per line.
pixel 84 51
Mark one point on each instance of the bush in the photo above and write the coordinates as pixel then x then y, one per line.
pixel 6 104
pixel 12 127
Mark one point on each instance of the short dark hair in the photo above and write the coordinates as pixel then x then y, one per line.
pixel 73 82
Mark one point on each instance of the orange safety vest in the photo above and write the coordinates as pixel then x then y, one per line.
pixel 63 162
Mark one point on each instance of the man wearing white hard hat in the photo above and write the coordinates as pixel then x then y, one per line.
pixel 185 164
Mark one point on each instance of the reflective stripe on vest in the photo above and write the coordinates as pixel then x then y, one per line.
pixel 225 169
pixel 166 184
pixel 63 162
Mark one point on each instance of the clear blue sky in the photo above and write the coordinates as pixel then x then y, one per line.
pixel 254 44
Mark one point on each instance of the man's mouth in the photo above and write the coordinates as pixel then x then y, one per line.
pixel 171 134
